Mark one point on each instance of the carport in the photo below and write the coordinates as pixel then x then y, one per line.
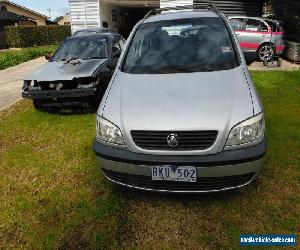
pixel 123 15
pixel 129 16
pixel 119 15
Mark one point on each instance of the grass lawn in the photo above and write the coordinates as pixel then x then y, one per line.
pixel 12 57
pixel 52 194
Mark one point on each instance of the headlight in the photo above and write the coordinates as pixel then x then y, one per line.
pixel 108 132
pixel 88 82
pixel 87 86
pixel 247 131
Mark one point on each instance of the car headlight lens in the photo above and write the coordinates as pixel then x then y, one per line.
pixel 247 131
pixel 108 132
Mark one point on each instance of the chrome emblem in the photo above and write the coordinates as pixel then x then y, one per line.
pixel 173 140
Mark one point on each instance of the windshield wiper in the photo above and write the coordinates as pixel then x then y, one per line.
pixel 178 69
pixel 169 70
pixel 193 69
pixel 72 58
pixel 94 57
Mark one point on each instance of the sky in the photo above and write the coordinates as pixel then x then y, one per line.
pixel 57 7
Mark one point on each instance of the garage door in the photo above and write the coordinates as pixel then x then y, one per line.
pixel 84 13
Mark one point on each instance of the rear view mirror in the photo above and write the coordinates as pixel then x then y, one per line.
pixel 48 57
pixel 112 63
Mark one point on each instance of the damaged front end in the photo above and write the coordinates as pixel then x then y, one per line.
pixel 78 91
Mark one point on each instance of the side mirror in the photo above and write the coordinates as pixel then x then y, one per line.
pixel 117 54
pixel 48 57
pixel 112 63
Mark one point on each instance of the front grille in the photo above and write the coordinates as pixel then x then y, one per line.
pixel 203 183
pixel 187 140
pixel 65 85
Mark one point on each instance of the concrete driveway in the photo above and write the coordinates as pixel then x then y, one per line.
pixel 11 81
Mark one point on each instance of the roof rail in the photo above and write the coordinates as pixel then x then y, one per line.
pixel 184 7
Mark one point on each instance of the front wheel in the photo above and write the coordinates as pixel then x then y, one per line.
pixel 37 105
pixel 265 53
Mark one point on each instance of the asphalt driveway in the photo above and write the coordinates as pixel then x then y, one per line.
pixel 11 81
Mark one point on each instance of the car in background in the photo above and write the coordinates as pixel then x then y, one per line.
pixel 261 36
pixel 77 74
pixel 93 30
pixel 181 113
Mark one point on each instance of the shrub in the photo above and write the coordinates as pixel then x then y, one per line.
pixel 28 36
pixel 15 57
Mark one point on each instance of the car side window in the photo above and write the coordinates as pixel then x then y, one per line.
pixel 263 27
pixel 252 25
pixel 237 23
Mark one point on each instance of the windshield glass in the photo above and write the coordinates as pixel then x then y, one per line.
pixel 85 47
pixel 180 46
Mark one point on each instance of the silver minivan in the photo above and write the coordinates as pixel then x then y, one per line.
pixel 181 113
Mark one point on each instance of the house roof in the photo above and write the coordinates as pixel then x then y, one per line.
pixel 10 16
pixel 24 8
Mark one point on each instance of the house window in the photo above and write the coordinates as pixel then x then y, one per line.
pixel 3 8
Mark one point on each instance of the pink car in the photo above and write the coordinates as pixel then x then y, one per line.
pixel 259 35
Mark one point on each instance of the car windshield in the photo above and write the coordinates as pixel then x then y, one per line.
pixel 180 46
pixel 85 47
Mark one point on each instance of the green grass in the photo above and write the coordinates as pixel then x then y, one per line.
pixel 12 57
pixel 53 195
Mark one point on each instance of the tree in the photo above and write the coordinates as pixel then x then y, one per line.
pixel 289 12
pixel 58 19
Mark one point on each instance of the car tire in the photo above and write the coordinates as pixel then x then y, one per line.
pixel 37 105
pixel 265 52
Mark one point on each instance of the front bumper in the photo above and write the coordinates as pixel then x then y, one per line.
pixel 57 94
pixel 223 171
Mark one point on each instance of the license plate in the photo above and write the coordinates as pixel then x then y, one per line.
pixel 174 173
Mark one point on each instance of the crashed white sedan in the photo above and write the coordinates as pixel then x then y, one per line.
pixel 77 74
